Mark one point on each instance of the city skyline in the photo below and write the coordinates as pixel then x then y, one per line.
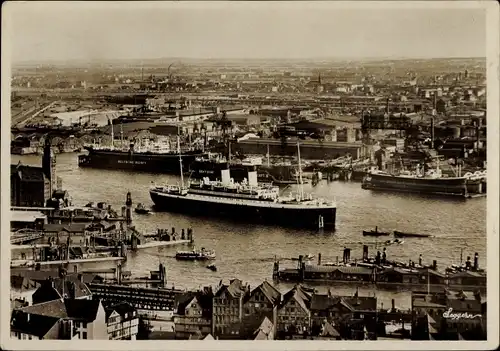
pixel 79 32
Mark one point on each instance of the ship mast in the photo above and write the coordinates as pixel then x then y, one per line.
pixel 180 161
pixel 268 161
pixel 112 135
pixel 121 135
pixel 301 184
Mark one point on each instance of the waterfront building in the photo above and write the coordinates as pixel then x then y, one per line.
pixel 467 278
pixel 122 321
pixel 294 313
pixel 60 319
pixel 77 233
pixel 27 220
pixel 33 186
pixel 433 316
pixel 70 287
pixel 22 288
pixel 29 186
pixel 354 317
pixel 228 309
pixel 262 303
pixel 193 314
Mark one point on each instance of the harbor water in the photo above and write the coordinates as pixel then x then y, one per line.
pixel 248 251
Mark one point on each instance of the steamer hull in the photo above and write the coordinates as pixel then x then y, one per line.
pixel 144 162
pixel 439 186
pixel 300 216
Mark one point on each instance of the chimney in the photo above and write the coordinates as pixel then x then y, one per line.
pixel 71 290
pixel 365 252
pixel 476 261
pixel 432 133
pixel 434 264
pixel 319 259
pixel 393 305
pixel 467 263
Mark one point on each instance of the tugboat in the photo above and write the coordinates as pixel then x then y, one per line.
pixel 212 267
pixel 374 233
pixel 195 255
pixel 140 209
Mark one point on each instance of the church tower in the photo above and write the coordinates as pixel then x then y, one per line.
pixel 49 165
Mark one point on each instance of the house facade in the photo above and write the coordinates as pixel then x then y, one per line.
pixel 294 314
pixel 228 309
pixel 122 322
pixel 194 315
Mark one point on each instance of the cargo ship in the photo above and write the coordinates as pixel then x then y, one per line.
pixel 156 158
pixel 431 182
pixel 247 201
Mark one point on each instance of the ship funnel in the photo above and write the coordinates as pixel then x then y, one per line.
pixel 225 177
pixel 252 178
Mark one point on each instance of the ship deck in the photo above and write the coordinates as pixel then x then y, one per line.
pixel 248 202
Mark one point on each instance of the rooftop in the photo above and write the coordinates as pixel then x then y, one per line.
pixel 26 216
pixel 84 310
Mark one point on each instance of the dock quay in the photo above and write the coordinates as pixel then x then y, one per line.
pixel 380 273
pixel 31 263
pixel 149 244
pixel 157 243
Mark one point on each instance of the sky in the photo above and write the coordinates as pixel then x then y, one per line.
pixel 72 31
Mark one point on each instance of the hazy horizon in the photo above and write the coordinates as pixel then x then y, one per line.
pixel 72 32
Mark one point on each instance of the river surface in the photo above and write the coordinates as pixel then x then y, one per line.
pixel 247 251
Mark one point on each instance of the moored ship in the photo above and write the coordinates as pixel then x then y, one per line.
pixel 246 201
pixel 431 182
pixel 157 158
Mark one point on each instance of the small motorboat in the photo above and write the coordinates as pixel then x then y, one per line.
pixel 196 255
pixel 140 209
pixel 374 233
pixel 398 234
pixel 212 267
pixel 394 241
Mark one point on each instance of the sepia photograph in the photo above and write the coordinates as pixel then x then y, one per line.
pixel 208 174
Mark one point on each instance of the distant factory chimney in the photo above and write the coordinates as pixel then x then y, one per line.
pixel 387 106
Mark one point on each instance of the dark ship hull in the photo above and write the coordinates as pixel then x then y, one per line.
pixel 439 186
pixel 134 161
pixel 247 211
